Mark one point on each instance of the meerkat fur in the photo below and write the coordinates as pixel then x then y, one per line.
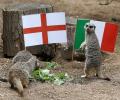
pixel 22 56
pixel 92 52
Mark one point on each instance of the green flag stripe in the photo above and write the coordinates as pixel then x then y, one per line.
pixel 80 32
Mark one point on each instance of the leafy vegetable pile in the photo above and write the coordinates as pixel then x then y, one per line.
pixel 44 75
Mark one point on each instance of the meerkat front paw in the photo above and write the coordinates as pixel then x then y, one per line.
pixel 83 45
pixel 83 76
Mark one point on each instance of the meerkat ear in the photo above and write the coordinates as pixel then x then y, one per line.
pixel 94 27
pixel 85 27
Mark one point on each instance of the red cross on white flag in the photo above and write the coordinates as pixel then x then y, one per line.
pixel 44 28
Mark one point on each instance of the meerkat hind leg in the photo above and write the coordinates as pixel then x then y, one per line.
pixel 25 84
pixel 100 75
pixel 12 86
pixel 98 72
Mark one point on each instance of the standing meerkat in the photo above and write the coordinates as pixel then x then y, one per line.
pixel 92 52
pixel 20 72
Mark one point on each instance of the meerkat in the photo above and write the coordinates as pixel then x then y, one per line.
pixel 92 52
pixel 20 73
pixel 22 56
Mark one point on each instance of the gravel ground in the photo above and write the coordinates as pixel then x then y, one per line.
pixel 79 89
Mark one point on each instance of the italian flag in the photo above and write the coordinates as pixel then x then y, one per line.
pixel 106 33
pixel 44 28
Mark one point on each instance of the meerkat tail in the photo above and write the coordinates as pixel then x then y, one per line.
pixel 3 80
pixel 106 78
pixel 18 85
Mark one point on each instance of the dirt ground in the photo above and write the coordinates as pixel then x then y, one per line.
pixel 92 89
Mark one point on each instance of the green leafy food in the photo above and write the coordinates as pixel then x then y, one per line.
pixel 45 75
pixel 58 82
pixel 50 65
pixel 62 75
pixel 41 74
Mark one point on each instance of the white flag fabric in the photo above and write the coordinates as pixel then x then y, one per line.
pixel 44 28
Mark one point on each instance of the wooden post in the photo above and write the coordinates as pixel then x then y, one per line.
pixel 12 36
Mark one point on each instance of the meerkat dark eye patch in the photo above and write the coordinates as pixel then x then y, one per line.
pixel 91 26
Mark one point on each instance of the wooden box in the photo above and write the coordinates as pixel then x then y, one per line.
pixel 13 40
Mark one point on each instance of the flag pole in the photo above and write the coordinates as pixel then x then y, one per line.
pixel 73 48
pixel 73 55
pixel 74 44
pixel 25 46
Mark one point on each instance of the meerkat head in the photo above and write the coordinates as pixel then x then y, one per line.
pixel 89 27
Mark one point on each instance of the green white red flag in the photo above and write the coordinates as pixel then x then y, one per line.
pixel 106 33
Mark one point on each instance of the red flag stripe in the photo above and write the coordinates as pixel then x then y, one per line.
pixel 44 31
pixel 109 37
pixel 48 28
pixel 56 27
pixel 32 30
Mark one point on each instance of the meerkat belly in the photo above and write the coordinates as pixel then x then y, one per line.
pixel 93 54
pixel 93 60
